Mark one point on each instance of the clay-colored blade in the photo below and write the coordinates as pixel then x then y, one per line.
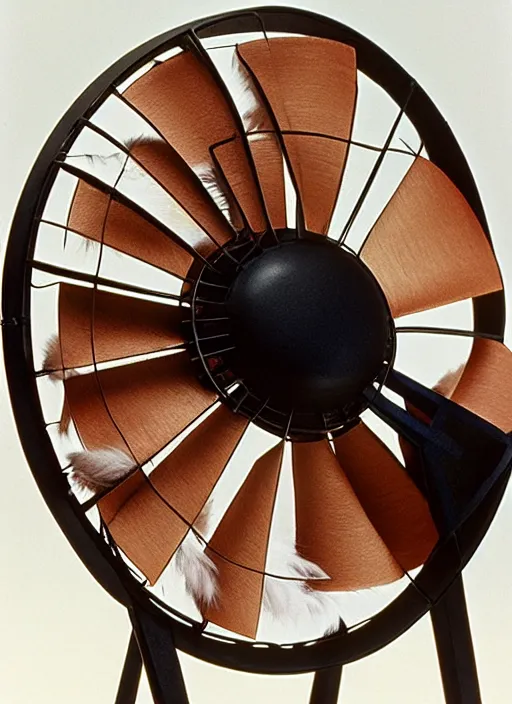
pixel 242 539
pixel 117 326
pixel 396 508
pixel 427 248
pixel 268 161
pixel 184 103
pixel 138 511
pixel 485 386
pixel 172 173
pixel 96 217
pixel 138 408
pixel 333 529
pixel 310 86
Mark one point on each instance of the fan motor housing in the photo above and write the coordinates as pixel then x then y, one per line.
pixel 310 323
pixel 301 324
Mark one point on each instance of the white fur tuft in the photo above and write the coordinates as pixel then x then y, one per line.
pixel 199 571
pixel 288 600
pixel 97 470
pixel 219 193
pixel 53 364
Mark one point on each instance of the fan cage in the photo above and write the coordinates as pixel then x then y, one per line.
pixel 98 551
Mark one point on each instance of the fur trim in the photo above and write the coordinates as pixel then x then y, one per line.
pixel 52 362
pixel 220 194
pixel 288 600
pixel 97 470
pixel 199 571
pixel 254 113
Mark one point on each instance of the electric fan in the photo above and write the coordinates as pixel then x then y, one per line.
pixel 210 273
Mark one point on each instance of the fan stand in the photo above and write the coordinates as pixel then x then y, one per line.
pixel 152 645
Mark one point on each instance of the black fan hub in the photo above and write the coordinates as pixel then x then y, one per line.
pixel 310 325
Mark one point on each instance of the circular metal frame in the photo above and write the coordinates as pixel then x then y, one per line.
pixel 109 569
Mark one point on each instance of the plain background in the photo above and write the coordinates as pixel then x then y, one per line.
pixel 63 638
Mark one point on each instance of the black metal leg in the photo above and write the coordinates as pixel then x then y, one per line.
pixel 130 677
pixel 326 686
pixel 455 647
pixel 160 659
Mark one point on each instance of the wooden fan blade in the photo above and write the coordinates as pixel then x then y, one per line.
pixel 242 538
pixel 428 248
pixel 268 161
pixel 185 105
pixel 173 174
pixel 118 326
pixel 485 385
pixel 138 408
pixel 310 86
pixel 389 497
pixel 138 513
pixel 95 216
pixel 333 529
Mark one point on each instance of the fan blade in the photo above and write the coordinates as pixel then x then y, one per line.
pixel 427 248
pixel 94 215
pixel 169 169
pixel 485 386
pixel 185 105
pixel 310 86
pixel 138 408
pixel 333 529
pixel 137 511
pixel 240 542
pixel 117 326
pixel 388 496
pixel 268 161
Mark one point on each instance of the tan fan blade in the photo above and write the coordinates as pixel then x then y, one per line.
pixel 389 497
pixel 242 538
pixel 268 160
pixel 147 403
pixel 310 85
pixel 140 521
pixel 427 248
pixel 485 386
pixel 121 326
pixel 166 167
pixel 183 102
pixel 94 216
pixel 333 529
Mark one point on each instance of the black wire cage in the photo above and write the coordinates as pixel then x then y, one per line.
pixel 279 310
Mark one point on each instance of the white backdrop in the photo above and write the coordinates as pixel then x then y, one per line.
pixel 63 639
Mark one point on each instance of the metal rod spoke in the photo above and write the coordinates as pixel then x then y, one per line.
pixel 202 54
pixel 448 331
pixel 191 174
pixel 116 195
pixel 375 171
pixel 100 281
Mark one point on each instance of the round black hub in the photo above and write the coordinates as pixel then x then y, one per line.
pixel 310 325
pixel 301 326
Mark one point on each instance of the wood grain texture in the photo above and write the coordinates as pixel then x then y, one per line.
pixel 333 529
pixel 96 217
pixel 427 248
pixel 242 537
pixel 119 326
pixel 310 84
